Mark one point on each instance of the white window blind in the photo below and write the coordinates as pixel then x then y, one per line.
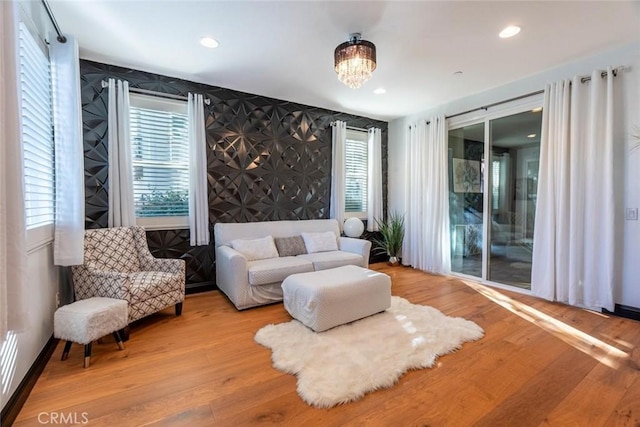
pixel 356 171
pixel 160 157
pixel 37 132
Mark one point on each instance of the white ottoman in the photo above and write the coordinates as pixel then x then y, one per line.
pixel 87 320
pixel 327 298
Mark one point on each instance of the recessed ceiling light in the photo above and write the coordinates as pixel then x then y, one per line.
pixel 209 42
pixel 536 110
pixel 531 135
pixel 509 31
pixel 380 91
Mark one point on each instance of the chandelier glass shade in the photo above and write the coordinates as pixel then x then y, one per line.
pixel 355 61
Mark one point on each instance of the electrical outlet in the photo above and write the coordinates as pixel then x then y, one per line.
pixel 632 214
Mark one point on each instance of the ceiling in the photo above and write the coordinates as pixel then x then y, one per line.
pixel 284 49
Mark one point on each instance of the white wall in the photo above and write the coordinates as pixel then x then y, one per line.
pixel 40 300
pixel 42 281
pixel 628 292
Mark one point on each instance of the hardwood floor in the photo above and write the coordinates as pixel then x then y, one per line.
pixel 539 364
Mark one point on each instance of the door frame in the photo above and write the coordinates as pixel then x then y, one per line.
pixel 486 116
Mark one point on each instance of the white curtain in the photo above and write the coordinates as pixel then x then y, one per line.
pixel 427 244
pixel 13 254
pixel 573 254
pixel 69 153
pixel 415 176
pixel 339 139
pixel 198 201
pixel 374 183
pixel 121 209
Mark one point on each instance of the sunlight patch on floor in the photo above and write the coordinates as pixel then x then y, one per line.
pixel 599 350
pixel 8 354
pixel 410 329
pixel 408 325
pixel 596 313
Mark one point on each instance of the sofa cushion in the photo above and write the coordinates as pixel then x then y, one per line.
pixel 333 259
pixel 265 271
pixel 254 249
pixel 290 246
pixel 224 233
pixel 320 242
pixel 150 284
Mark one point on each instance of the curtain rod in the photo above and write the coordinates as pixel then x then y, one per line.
pixel 352 127
pixel 614 72
pixel 486 107
pixel 526 95
pixel 61 38
pixel 155 93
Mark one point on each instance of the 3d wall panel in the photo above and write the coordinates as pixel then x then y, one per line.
pixel 267 159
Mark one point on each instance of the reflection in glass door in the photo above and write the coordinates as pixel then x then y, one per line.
pixel 515 153
pixel 466 198
pixel 507 218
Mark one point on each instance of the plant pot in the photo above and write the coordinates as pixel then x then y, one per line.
pixel 393 260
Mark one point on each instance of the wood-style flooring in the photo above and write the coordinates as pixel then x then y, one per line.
pixel 539 364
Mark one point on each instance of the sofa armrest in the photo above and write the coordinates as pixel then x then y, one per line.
pixel 89 282
pixel 166 265
pixel 232 275
pixel 357 246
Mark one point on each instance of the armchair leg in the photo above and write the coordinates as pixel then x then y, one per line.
pixel 124 333
pixel 179 309
pixel 116 336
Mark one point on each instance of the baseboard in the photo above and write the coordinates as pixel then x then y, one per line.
pixel 17 399
pixel 194 288
pixel 378 258
pixel 624 311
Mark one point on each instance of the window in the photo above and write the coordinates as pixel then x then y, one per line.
pixel 356 165
pixel 160 160
pixel 37 132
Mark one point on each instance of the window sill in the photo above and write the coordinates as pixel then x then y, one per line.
pixel 359 215
pixel 163 222
pixel 39 237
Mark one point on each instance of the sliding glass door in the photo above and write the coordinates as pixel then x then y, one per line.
pixel 493 175
pixel 515 153
pixel 466 198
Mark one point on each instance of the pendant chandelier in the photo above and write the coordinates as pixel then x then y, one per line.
pixel 355 61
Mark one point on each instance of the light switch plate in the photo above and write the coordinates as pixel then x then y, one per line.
pixel 632 214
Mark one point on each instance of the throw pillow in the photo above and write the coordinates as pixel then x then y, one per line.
pixel 290 246
pixel 320 242
pixel 255 249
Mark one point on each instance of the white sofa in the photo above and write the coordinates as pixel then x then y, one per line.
pixel 252 283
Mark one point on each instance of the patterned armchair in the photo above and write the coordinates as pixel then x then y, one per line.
pixel 118 264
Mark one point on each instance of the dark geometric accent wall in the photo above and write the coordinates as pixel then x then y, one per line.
pixel 267 159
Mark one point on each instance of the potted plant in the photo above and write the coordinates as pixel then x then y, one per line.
pixel 391 236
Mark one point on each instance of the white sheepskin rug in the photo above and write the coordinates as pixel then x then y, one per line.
pixel 344 363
